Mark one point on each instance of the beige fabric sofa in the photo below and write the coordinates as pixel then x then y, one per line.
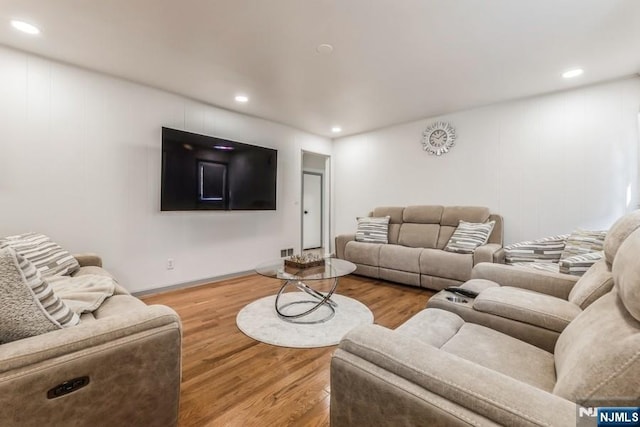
pixel 437 369
pixel 531 314
pixel 129 352
pixel 417 236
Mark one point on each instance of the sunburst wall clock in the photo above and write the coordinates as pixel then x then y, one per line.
pixel 438 138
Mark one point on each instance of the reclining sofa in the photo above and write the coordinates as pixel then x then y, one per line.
pixel 439 369
pixel 415 253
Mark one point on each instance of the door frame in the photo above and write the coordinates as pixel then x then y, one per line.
pixel 326 200
pixel 321 175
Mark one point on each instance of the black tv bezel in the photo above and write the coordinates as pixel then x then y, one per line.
pixel 212 139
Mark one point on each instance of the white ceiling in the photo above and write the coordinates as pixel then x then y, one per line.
pixel 393 61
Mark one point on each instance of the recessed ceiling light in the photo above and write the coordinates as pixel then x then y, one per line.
pixel 573 73
pixel 324 49
pixel 336 129
pixel 242 98
pixel 25 27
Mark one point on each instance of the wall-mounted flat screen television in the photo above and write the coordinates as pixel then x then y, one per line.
pixel 202 172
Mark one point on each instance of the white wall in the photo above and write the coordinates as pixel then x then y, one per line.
pixel 548 164
pixel 80 160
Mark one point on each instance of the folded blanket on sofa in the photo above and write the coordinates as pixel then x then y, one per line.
pixel 83 294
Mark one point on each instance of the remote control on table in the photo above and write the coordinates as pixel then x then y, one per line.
pixel 464 292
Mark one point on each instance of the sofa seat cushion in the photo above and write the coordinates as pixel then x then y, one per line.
pixel 504 354
pixel 363 253
pixel 450 265
pixel 527 306
pixel 434 326
pixel 401 258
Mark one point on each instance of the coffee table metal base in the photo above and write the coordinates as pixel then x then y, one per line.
pixel 319 300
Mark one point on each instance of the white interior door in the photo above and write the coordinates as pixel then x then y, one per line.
pixel 311 211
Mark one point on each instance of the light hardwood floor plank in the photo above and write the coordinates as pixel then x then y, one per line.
pixel 229 379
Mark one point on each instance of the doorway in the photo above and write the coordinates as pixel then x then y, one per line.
pixel 315 203
pixel 311 210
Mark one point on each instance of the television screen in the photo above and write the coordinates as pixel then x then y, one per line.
pixel 203 172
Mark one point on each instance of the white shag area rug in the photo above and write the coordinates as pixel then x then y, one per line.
pixel 260 321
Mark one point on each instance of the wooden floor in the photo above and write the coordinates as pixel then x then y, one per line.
pixel 229 379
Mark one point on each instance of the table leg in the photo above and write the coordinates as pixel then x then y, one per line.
pixel 320 300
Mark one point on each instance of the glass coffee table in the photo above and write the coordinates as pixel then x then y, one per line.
pixel 302 278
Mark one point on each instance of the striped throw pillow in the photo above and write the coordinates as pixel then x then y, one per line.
pixel 551 267
pixel 468 236
pixel 373 229
pixel 28 305
pixel 48 257
pixel 546 250
pixel 582 242
pixel 577 265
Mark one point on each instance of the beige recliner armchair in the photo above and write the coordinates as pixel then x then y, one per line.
pixel 531 305
pixel 437 369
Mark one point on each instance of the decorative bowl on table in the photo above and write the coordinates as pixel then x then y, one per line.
pixel 304 261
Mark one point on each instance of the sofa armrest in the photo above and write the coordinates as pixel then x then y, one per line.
pixel 29 351
pixel 554 284
pixel 407 373
pixel 88 260
pixel 521 305
pixel 341 242
pixel 491 252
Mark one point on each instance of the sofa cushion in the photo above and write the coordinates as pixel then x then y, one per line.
pixel 395 213
pixel 423 214
pixel 582 242
pixel 596 282
pixel 548 249
pixel 401 258
pixel 450 265
pixel 452 215
pixel 434 326
pixel 373 229
pixel 626 273
pixel 468 236
pixel 363 253
pixel 47 256
pixel 418 235
pixel 618 233
pixel 28 305
pixel 444 236
pixel 504 354
pixel 597 361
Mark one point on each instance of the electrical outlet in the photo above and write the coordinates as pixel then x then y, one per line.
pixel 283 253
pixel 289 251
pixel 170 264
